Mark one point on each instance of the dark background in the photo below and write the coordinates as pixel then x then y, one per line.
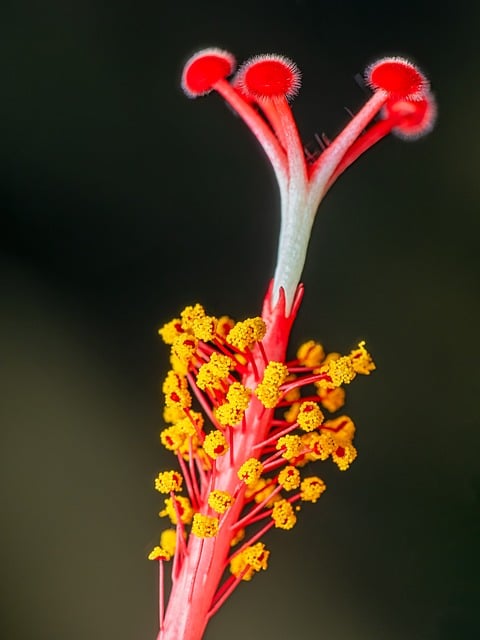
pixel 122 201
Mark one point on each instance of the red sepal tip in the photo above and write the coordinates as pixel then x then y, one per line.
pixel 269 76
pixel 400 78
pixel 204 69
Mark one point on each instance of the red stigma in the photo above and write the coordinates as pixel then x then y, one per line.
pixel 398 77
pixel 204 69
pixel 269 76
pixel 415 119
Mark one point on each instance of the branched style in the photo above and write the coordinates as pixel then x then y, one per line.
pixel 244 422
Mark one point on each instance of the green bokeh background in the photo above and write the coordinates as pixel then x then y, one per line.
pixel 122 201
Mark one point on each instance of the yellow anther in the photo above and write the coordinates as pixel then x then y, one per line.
pixel 309 416
pixel 232 411
pixel 341 371
pixel 175 388
pixel 239 395
pixel 176 437
pixel 190 314
pixel 171 330
pixel 291 414
pixel 244 334
pixel 321 445
pixel 283 515
pixel 342 428
pixel 174 382
pixel 361 360
pixel 292 444
pixel 168 481
pixel 168 541
pixel 344 455
pixel 289 478
pixel 173 413
pixel 183 506
pixel 237 537
pixel 275 373
pixel 178 365
pixel 203 458
pixel 268 391
pixel 158 553
pixel 220 501
pixel 205 328
pixel 261 490
pixel 212 373
pixel 250 471
pixel 224 326
pixel 215 444
pixel 331 399
pixel 204 526
pixel 228 415
pixel 172 437
pixel 250 561
pixel 310 354
pixel 191 424
pixel 312 488
pixel 184 348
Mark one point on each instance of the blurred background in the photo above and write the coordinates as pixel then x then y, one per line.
pixel 122 201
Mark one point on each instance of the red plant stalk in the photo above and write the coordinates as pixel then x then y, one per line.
pixel 244 421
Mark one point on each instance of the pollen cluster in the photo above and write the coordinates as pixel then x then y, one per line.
pixel 223 388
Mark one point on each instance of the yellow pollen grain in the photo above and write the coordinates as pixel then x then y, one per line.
pixel 168 540
pixel 250 471
pixel 341 371
pixel 321 445
pixel 205 328
pixel 332 399
pixel 361 360
pixel 291 414
pixel 261 490
pixel 215 444
pixel 212 373
pixel 344 455
pixel 249 561
pixel 310 354
pixel 309 416
pixel 172 437
pixel 237 537
pixel 184 507
pixel 238 395
pixel 312 488
pixel 289 478
pixel 283 515
pixel 343 429
pixel 224 326
pixel 246 333
pixel 170 330
pixel 184 348
pixel 190 314
pixel 204 526
pixel 220 501
pixel 232 411
pixel 168 481
pixel 158 553
pixel 268 391
pixel 292 444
